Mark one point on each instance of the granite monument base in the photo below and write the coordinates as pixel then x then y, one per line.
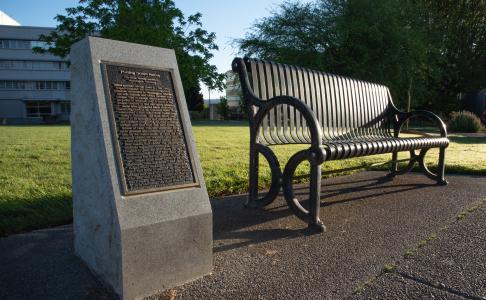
pixel 138 232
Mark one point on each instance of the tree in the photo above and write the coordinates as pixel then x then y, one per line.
pixel 459 29
pixel 222 108
pixel 293 34
pixel 370 40
pixel 194 98
pixel 412 46
pixel 151 22
pixel 242 105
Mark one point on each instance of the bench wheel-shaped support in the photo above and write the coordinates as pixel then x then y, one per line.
pixel 311 215
pixel 439 177
pixel 254 200
pixel 420 159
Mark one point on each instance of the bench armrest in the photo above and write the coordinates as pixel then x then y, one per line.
pixel 402 117
pixel 239 67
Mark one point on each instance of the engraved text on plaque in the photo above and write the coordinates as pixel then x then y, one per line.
pixel 153 153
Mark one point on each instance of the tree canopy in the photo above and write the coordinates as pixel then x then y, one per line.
pixel 151 22
pixel 426 50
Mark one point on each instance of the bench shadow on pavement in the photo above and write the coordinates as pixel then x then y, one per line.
pixel 236 226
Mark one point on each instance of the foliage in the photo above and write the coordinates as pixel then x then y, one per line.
pixel 242 105
pixel 194 98
pixel 200 115
pixel 35 168
pixel 222 108
pixel 412 46
pixel 464 121
pixel 157 23
pixel 459 34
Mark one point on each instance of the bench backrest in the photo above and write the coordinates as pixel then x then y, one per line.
pixel 345 108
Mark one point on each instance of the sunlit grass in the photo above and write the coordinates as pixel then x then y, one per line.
pixel 35 169
pixel 35 177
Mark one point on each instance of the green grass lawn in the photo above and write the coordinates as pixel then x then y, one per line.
pixel 35 169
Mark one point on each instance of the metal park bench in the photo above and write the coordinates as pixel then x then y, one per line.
pixel 338 117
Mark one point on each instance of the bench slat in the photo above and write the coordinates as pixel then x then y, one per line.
pixel 270 93
pixel 318 98
pixel 278 110
pixel 284 113
pixel 263 95
pixel 295 92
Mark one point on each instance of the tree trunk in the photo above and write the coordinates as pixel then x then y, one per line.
pixel 409 97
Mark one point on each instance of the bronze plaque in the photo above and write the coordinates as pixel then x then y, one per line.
pixel 146 126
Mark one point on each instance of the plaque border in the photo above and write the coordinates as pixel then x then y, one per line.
pixel 114 135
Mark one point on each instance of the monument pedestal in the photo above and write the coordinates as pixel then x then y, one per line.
pixel 142 217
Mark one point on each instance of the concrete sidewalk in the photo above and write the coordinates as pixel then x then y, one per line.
pixel 449 264
pixel 371 222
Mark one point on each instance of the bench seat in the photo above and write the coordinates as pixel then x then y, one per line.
pixel 370 145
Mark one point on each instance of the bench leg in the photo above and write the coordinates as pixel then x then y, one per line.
pixel 393 167
pixel 315 222
pixel 439 175
pixel 253 178
pixel 441 168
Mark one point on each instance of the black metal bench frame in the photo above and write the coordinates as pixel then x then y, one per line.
pixel 297 116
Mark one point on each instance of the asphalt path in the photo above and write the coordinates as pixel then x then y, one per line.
pixel 408 227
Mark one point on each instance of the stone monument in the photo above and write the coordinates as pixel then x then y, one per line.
pixel 142 217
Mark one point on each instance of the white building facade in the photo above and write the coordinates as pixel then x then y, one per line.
pixel 233 89
pixel 232 94
pixel 34 88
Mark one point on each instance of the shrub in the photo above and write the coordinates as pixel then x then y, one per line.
pixel 464 121
pixel 222 108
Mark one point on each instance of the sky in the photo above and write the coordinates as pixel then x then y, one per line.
pixel 229 19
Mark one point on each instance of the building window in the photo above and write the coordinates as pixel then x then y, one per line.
pixel 14 85
pixel 31 85
pixel 46 85
pixel 7 64
pixel 65 107
pixel 39 44
pixel 59 65
pixel 33 65
pixel 22 44
pixel 52 85
pixel 40 85
pixel 36 109
pixel 15 44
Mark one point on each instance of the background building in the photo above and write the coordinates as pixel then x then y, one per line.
pixel 34 88
pixel 233 89
pixel 211 104
pixel 233 95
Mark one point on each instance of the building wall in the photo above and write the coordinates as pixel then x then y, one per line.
pixel 12 108
pixel 235 112
pixel 233 95
pixel 34 88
